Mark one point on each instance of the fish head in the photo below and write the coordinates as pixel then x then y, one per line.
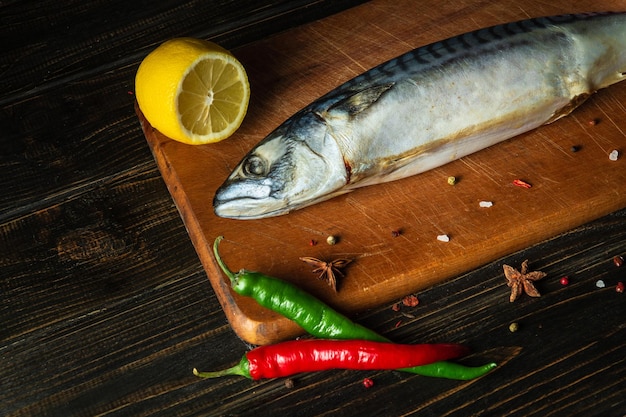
pixel 296 165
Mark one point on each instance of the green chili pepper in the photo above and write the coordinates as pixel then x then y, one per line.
pixel 320 320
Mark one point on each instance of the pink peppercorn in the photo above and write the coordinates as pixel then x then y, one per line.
pixel 564 281
pixel 368 383
pixel 619 287
pixel 410 301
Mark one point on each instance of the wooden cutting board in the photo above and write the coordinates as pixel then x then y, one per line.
pixel 292 69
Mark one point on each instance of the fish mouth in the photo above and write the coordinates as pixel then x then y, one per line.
pixel 245 208
pixel 247 200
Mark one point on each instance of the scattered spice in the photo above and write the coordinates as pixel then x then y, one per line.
pixel 619 287
pixel 396 307
pixel 614 155
pixel 331 240
pixel 564 281
pixel 521 183
pixel 600 284
pixel 443 238
pixel 398 323
pixel 593 122
pixel 513 327
pixel 485 204
pixel 327 270
pixel 522 280
pixel 396 232
pixel 410 301
pixel 618 261
pixel 312 242
pixel 368 383
pixel 289 383
pixel 451 180
pixel 575 148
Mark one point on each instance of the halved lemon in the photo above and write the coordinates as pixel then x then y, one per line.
pixel 192 90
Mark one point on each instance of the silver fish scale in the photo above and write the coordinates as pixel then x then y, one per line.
pixel 454 48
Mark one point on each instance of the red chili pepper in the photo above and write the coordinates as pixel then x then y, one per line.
pixel 521 183
pixel 309 355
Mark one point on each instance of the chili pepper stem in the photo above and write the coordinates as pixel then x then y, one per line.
pixel 232 276
pixel 242 368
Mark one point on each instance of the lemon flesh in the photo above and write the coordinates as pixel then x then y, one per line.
pixel 192 90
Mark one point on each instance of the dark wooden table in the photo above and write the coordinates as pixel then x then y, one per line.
pixel 105 308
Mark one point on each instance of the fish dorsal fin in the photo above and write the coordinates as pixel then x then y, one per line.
pixel 360 101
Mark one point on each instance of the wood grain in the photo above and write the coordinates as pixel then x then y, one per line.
pixel 67 83
pixel 290 70
pixel 105 307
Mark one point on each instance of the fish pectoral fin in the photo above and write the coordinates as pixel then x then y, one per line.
pixel 569 107
pixel 360 101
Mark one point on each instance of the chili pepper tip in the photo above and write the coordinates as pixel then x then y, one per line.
pixel 453 370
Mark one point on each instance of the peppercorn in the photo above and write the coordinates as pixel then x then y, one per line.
pixel 618 261
pixel 513 327
pixel 564 281
pixel 331 240
pixel 410 301
pixel 619 287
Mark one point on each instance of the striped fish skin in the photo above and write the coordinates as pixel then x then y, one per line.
pixel 428 107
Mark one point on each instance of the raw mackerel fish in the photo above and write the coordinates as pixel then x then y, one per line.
pixel 428 107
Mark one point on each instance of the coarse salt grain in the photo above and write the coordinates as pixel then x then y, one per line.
pixel 614 155
pixel 485 204
pixel 443 238
pixel 600 283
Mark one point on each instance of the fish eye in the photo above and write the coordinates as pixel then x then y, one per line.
pixel 254 166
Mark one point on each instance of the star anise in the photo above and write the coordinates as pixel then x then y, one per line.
pixel 522 281
pixel 327 270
